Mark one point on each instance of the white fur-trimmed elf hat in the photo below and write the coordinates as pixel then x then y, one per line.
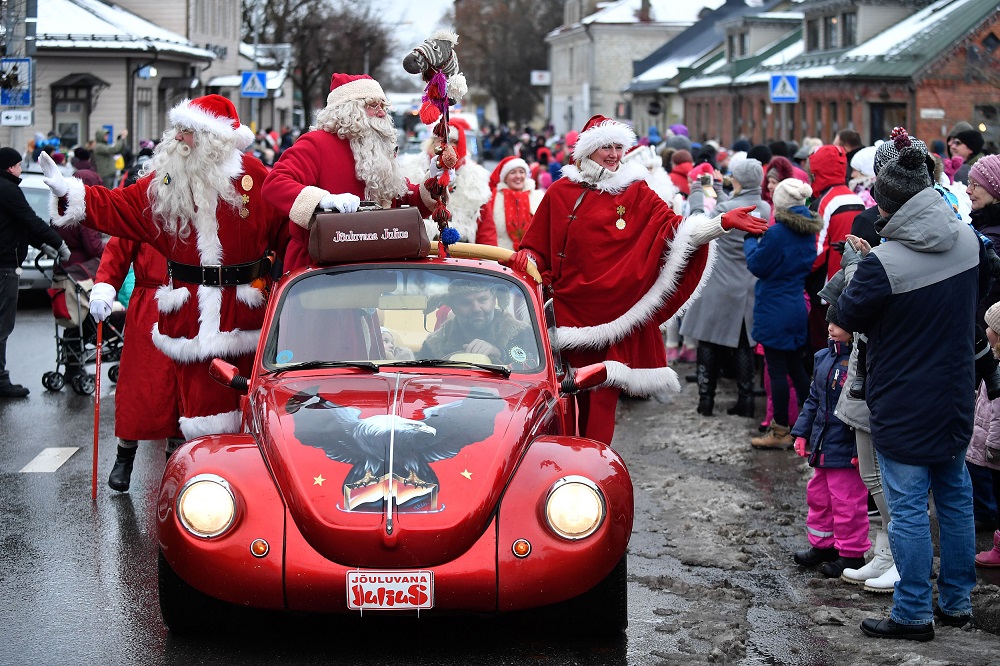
pixel 214 114
pixel 344 87
pixel 601 131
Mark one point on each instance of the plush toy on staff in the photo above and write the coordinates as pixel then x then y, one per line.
pixel 436 61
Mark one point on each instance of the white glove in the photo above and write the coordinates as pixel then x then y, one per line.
pixel 102 299
pixel 52 176
pixel 436 170
pixel 345 203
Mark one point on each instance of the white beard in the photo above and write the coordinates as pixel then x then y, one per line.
pixel 188 184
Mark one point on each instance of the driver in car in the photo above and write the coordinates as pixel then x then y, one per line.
pixel 480 325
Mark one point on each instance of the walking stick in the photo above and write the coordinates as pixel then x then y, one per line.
pixel 97 410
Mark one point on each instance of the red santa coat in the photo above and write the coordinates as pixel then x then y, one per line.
pixel 146 402
pixel 317 164
pixel 196 323
pixel 517 207
pixel 612 286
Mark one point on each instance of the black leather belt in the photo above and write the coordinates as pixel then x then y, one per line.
pixel 218 275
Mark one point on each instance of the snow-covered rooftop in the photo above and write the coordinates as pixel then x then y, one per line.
pixel 97 25
pixel 660 11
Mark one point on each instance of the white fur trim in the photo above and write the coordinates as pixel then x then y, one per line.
pixel 446 35
pixel 357 89
pixel 210 341
pixel 305 205
pixel 500 212
pixel 628 173
pixel 217 424
pixel 245 136
pixel 713 254
pixel 642 381
pixel 606 133
pixel 169 299
pixel 189 115
pixel 605 335
pixel 472 190
pixel 249 295
pixel 515 163
pixel 659 181
pixel 76 204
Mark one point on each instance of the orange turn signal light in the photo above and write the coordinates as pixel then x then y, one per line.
pixel 259 548
pixel 521 548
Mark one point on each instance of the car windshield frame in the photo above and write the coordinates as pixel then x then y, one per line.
pixel 533 361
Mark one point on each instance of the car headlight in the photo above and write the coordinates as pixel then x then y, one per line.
pixel 575 507
pixel 206 505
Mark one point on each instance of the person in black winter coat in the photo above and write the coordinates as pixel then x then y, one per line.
pixel 19 227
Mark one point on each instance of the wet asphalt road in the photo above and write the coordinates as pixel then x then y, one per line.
pixel 78 578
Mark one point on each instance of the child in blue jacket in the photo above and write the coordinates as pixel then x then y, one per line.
pixel 837 525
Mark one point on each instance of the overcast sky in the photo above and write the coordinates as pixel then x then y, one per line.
pixel 417 20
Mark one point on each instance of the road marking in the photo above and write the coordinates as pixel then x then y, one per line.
pixel 50 459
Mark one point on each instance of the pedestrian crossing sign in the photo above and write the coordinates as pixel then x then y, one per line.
pixel 784 88
pixel 254 84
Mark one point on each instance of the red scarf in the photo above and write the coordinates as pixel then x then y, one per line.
pixel 517 214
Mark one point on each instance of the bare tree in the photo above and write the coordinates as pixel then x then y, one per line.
pixel 326 36
pixel 500 42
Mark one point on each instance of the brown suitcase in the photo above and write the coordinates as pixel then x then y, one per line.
pixel 371 233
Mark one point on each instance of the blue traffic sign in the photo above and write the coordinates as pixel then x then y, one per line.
pixel 784 88
pixel 254 84
pixel 15 74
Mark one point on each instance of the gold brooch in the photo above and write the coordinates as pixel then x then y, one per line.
pixel 245 199
pixel 247 182
pixel 244 213
pixel 620 223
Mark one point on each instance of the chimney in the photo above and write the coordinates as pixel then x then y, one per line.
pixel 644 11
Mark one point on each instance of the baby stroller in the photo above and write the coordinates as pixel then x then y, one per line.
pixel 76 332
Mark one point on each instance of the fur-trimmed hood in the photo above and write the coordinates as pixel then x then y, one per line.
pixel 799 219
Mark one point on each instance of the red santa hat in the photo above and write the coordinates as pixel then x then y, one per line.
pixel 344 87
pixel 214 114
pixel 504 168
pixel 601 131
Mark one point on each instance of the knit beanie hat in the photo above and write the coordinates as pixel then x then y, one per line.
pixel 993 317
pixel 887 150
pixel 761 153
pixel 749 173
pixel 741 145
pixel 791 192
pixel 833 316
pixel 973 139
pixel 986 173
pixel 680 157
pixel 960 126
pixel 8 158
pixel 901 178
pixel 864 161
pixel 678 142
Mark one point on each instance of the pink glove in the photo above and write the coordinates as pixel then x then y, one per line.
pixel 800 446
pixel 519 261
pixel 740 218
pixel 854 461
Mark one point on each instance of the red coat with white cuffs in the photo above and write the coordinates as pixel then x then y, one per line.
pixel 196 323
pixel 146 402
pixel 615 282
pixel 317 164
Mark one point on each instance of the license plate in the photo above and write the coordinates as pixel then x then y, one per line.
pixel 390 590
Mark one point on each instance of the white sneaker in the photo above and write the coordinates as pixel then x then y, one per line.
pixel 886 583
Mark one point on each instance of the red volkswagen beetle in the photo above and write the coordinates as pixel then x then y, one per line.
pixel 408 445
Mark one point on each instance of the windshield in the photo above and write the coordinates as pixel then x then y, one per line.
pixel 404 314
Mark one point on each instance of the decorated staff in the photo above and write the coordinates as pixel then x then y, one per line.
pixel 436 61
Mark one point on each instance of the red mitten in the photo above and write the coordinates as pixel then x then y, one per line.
pixel 854 461
pixel 740 218
pixel 800 446
pixel 519 261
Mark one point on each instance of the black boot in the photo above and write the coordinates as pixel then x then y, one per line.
pixel 121 473
pixel 744 383
pixel 708 371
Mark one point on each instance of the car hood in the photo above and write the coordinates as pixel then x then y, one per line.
pixel 441 447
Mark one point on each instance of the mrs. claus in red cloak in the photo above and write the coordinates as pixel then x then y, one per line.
pixel 619 263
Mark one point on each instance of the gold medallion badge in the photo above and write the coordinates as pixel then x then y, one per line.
pixel 247 182
pixel 245 198
pixel 244 213
pixel 620 223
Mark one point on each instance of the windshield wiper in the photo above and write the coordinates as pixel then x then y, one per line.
pixel 445 363
pixel 312 365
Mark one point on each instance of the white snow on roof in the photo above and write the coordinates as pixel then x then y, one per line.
pixel 660 11
pixel 94 24
pixel 893 40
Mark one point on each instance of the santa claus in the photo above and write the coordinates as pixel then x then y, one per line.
pixel 619 263
pixel 514 201
pixel 349 155
pixel 199 204
pixel 468 186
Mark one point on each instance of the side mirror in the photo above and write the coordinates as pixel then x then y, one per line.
pixel 227 374
pixel 587 377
